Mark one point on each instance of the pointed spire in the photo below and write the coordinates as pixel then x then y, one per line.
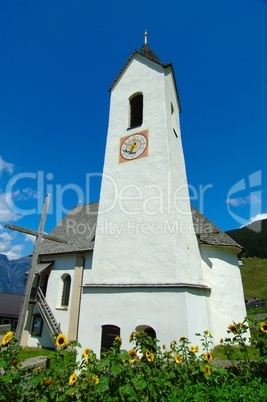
pixel 145 35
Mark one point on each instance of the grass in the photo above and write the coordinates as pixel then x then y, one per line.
pixel 221 352
pixel 27 353
pixel 254 277
pixel 30 352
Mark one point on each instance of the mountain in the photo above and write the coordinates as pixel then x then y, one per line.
pixel 253 238
pixel 12 274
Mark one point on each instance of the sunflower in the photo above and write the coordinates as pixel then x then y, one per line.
pixel 7 338
pixel 72 379
pixel 95 379
pixel 207 333
pixel 263 327
pixel 194 349
pixel 150 356
pixel 178 359
pixel 86 353
pixel 118 339
pixel 207 370
pixel 132 353
pixel 61 341
pixel 232 328
pixel 48 381
pixel 208 356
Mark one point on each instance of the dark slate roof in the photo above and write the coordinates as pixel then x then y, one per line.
pixel 78 229
pixel 148 53
pixel 208 233
pixel 10 304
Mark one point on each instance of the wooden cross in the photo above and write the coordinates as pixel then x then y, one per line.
pixel 39 235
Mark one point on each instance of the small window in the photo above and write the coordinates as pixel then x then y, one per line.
pixel 173 121
pixel 15 324
pixel 66 291
pixel 136 110
pixel 149 330
pixel 151 333
pixel 109 333
pixel 6 321
pixel 37 325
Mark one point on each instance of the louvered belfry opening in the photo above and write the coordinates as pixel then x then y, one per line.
pixel 136 110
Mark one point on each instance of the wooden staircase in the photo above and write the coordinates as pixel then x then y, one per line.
pixel 46 313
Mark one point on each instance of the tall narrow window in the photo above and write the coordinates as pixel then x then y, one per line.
pixel 66 291
pixel 109 333
pixel 173 120
pixel 136 110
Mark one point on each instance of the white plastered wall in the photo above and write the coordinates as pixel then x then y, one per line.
pixel 222 274
pixel 144 228
pixel 63 265
pixel 167 311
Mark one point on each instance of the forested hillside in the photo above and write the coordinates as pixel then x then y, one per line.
pixel 253 238
pixel 12 274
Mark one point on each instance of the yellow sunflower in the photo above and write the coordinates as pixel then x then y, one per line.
pixel 7 338
pixel 232 328
pixel 178 359
pixel 118 339
pixel 72 379
pixel 207 333
pixel 132 353
pixel 61 341
pixel 48 381
pixel 86 353
pixel 150 356
pixel 207 370
pixel 208 356
pixel 263 327
pixel 95 379
pixel 194 349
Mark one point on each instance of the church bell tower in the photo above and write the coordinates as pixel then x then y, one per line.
pixel 145 232
pixel 146 269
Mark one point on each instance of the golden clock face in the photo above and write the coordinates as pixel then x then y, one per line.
pixel 134 146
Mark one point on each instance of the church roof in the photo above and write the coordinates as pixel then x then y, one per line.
pixel 79 226
pixel 77 229
pixel 145 52
pixel 208 233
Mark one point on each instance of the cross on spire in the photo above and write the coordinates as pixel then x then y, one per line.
pixel 145 36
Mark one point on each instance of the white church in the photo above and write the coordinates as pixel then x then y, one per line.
pixel 142 258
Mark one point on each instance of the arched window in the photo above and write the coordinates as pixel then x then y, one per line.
pixel 109 333
pixel 152 334
pixel 66 291
pixel 149 330
pixel 136 110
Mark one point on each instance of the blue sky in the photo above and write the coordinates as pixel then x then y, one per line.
pixel 58 59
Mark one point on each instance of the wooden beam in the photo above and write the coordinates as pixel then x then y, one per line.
pixel 34 233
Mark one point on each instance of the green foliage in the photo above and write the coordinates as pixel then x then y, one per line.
pixel 254 278
pixel 147 372
pixel 253 238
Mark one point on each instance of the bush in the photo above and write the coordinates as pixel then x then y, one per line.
pixel 147 372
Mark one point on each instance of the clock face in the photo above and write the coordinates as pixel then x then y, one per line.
pixel 134 146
